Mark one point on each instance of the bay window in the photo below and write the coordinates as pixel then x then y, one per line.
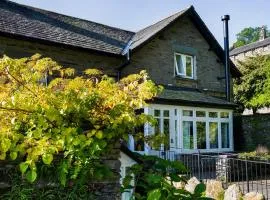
pixel 191 129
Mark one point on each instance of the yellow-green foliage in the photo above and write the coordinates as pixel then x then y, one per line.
pixel 78 117
pixel 252 90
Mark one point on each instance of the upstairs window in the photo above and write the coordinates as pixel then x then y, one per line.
pixel 184 65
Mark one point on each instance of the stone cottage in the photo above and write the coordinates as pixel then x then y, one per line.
pixel 178 52
pixel 261 47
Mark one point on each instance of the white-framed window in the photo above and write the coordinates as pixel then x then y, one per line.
pixel 163 125
pixel 184 65
pixel 194 128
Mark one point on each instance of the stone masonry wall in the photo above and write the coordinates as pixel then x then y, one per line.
pixel 157 57
pixel 242 56
pixel 251 131
pixel 67 57
pixel 97 190
pixel 80 60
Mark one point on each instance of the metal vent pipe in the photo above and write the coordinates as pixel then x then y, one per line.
pixel 225 20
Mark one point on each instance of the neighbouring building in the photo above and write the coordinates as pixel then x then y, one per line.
pixel 261 47
pixel 178 52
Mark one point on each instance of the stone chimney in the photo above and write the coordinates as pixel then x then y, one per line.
pixel 262 33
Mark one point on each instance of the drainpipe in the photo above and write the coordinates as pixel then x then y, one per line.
pixel 123 65
pixel 225 20
pixel 125 52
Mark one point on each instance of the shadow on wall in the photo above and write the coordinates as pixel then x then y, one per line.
pixel 250 131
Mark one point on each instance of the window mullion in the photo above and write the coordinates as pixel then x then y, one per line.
pixel 176 64
pixel 207 132
pixel 195 134
pixel 183 57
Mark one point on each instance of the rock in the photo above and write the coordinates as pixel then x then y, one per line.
pixel 253 196
pixel 214 190
pixel 179 185
pixel 191 184
pixel 233 193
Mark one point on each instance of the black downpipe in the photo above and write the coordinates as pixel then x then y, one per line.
pixel 225 20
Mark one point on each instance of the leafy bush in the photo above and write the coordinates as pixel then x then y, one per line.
pixel 71 121
pixel 154 179
pixel 261 153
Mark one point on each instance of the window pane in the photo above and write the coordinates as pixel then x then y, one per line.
pixel 188 134
pixel 213 134
pixel 138 144
pixel 166 127
pixel 166 113
pixel 213 114
pixel 188 113
pixel 189 66
pixel 157 127
pixel 200 113
pixel 179 64
pixel 201 135
pixel 157 113
pixel 224 115
pixel 225 135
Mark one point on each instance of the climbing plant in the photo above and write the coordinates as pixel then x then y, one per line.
pixel 72 120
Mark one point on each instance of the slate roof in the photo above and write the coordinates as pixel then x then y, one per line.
pixel 250 47
pixel 33 23
pixel 40 24
pixel 192 97
pixel 145 34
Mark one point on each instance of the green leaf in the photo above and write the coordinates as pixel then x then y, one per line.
pixel 23 167
pixel 31 176
pixel 199 189
pixel 47 158
pixel 175 178
pixel 154 178
pixel 13 155
pixel 154 194
pixel 99 134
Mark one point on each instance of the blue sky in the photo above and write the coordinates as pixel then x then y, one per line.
pixel 136 14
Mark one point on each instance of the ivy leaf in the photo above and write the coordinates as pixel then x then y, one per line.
pixel 31 176
pixel 47 158
pixel 23 167
pixel 154 194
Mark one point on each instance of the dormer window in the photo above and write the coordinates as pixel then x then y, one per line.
pixel 184 65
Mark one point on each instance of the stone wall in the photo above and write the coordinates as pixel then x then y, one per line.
pixel 251 131
pixel 157 57
pixel 68 57
pixel 108 188
pixel 264 50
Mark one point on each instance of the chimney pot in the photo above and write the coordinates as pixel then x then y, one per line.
pixel 262 33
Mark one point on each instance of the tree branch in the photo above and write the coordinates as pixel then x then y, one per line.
pixel 15 109
pixel 21 83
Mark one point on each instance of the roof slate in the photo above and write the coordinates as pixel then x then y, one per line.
pixel 145 34
pixel 34 23
pixel 192 97
pixel 45 25
pixel 250 46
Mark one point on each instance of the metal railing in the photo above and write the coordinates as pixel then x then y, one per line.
pixel 250 175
